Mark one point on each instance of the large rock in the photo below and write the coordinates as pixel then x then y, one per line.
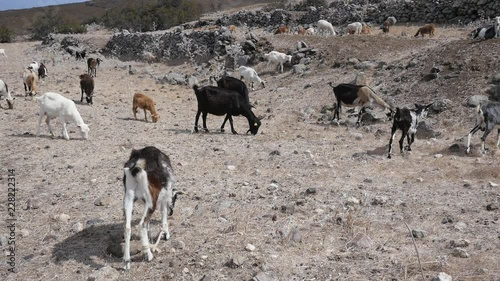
pixel 476 100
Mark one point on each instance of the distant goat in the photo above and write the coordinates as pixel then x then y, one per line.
pixel 352 95
pixel 53 105
pixel 282 30
pixel 148 176
pixel 92 65
pixel 392 20
pixel 87 87
pixel 30 79
pixel 310 31
pixel 42 71
pixel 80 55
pixel 366 29
pixel 250 75
pixel 354 28
pixel 4 92
pixel 234 84
pixel 2 52
pixel 146 103
pixel 407 120
pixel 220 101
pixel 324 27
pixel 484 33
pixel 487 117
pixel 385 26
pixel 301 31
pixel 275 57
pixel 426 29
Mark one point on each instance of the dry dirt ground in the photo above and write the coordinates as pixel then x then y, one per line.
pixel 290 191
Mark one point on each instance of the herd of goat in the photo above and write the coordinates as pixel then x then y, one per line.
pixel 148 173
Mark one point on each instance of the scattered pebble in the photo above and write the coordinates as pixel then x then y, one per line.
pixel 418 233
pixel 442 277
pixel 250 247
pixel 492 207
pixel 460 253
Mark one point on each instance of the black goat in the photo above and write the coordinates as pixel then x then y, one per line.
pixel 42 71
pixel 487 117
pixel 234 84
pixel 352 95
pixel 87 86
pixel 220 101
pixel 92 65
pixel 407 120
pixel 81 55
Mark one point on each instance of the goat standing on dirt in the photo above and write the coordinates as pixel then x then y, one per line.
pixel 352 95
pixel 426 29
pixel 146 103
pixel 487 117
pixel 407 120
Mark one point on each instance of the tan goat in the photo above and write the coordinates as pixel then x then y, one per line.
pixel 30 79
pixel 144 102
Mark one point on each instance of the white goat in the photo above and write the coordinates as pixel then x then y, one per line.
pixel 310 31
pixel 250 76
pixel 4 92
pixel 325 27
pixel 392 20
pixel 497 26
pixel 34 66
pixel 275 57
pixel 55 105
pixel 2 51
pixel 354 28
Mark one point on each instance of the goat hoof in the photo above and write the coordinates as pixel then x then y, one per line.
pixel 127 265
pixel 222 130
pixel 389 156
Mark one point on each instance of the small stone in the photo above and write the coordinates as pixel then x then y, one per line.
pixel 24 233
pixel 178 244
pixel 420 180
pixel 380 200
pixel 361 241
pixel 50 237
pixel 231 167
pixel 62 218
pixel 437 156
pixel 492 207
pixel 446 220
pixel 94 221
pixel 351 201
pixel 262 276
pixel 467 183
pixel 102 202
pixel 492 184
pixel 460 253
pixel 460 226
pixel 311 190
pixel 77 227
pixel 93 180
pixel 185 270
pixel 461 243
pixel 418 233
pixel 106 273
pixel 250 247
pixel 442 277
pixel 236 261
pixel 295 235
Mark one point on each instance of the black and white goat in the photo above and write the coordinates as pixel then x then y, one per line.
pixel 484 33
pixel 352 95
pixel 407 120
pixel 220 101
pixel 487 117
pixel 42 71
pixel 148 176
pixel 235 84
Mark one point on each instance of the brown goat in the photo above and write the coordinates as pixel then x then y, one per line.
pixel 30 80
pixel 426 29
pixel 385 26
pixel 232 28
pixel 366 29
pixel 87 87
pixel 144 102
pixel 282 30
pixel 92 65
pixel 301 31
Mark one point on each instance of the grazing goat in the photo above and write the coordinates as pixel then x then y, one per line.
pixel 2 51
pixel 366 29
pixel 310 31
pixel 497 27
pixel 354 28
pixel 148 176
pixel 352 95
pixel 4 92
pixel 282 30
pixel 276 57
pixel 325 27
pixel 87 86
pixel 92 65
pixel 80 55
pixel 407 120
pixel 30 80
pixel 484 33
pixel 146 103
pixel 426 29
pixel 385 26
pixel 250 75
pixel 220 101
pixel 54 105
pixel 301 31
pixel 43 71
pixel 234 84
pixel 487 117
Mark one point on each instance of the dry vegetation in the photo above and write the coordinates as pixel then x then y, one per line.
pixel 254 189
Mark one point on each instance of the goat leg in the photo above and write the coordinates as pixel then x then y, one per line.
pixel 472 132
pixel 204 118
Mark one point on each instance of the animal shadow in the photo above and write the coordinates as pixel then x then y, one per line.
pixel 91 241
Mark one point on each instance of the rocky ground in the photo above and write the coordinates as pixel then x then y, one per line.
pixel 315 200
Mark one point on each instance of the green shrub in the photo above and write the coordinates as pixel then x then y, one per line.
pixel 5 34
pixel 53 22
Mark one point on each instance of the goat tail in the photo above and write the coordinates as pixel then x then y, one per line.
pixel 418 32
